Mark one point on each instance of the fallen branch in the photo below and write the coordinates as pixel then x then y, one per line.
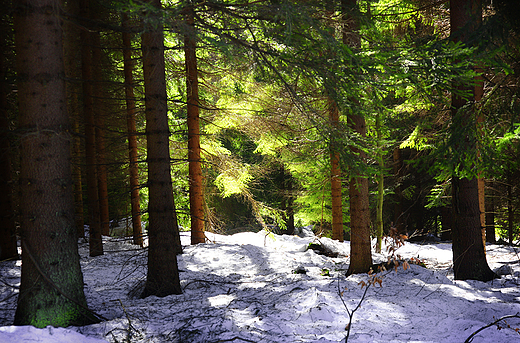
pixel 470 338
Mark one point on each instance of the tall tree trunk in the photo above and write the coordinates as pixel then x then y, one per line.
pixel 380 186
pixel 335 176
pixel 469 257
pixel 8 249
pixel 360 245
pixel 196 186
pixel 72 53
pixel 99 120
pixel 132 133
pixel 51 291
pixel 94 222
pixel 163 231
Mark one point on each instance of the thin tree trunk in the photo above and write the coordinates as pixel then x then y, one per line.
pixel 360 245
pixel 72 52
pixel 51 291
pixel 335 177
pixel 132 134
pixel 380 187
pixel 510 212
pixel 469 257
pixel 8 249
pixel 195 170
pixel 94 222
pixel 163 231
pixel 99 119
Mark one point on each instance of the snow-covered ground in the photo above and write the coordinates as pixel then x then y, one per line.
pixel 253 287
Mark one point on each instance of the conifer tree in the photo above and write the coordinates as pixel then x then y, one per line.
pixel 132 132
pixel 163 232
pixel 193 107
pixel 469 257
pixel 51 291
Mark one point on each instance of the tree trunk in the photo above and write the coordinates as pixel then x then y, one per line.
pixel 380 187
pixel 335 177
pixel 51 291
pixel 510 212
pixel 132 134
pixel 469 257
pixel 72 53
pixel 163 231
pixel 94 222
pixel 195 170
pixel 99 120
pixel 8 248
pixel 360 245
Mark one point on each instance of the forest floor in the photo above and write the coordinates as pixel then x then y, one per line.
pixel 254 287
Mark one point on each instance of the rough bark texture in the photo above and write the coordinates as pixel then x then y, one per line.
pixel 360 245
pixel 163 232
pixel 132 134
pixel 196 186
pixel 51 291
pixel 94 220
pixel 335 178
pixel 8 249
pixel 469 257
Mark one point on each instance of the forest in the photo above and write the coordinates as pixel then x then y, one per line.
pixel 150 119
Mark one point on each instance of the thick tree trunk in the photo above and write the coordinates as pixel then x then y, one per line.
pixel 94 219
pixel 163 231
pixel 469 257
pixel 132 134
pixel 196 186
pixel 51 291
pixel 335 177
pixel 360 245
pixel 8 249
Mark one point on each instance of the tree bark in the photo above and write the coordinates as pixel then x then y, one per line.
pixel 8 248
pixel 469 257
pixel 51 291
pixel 99 121
pixel 132 134
pixel 72 53
pixel 196 187
pixel 335 177
pixel 163 231
pixel 360 244
pixel 380 186
pixel 94 222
